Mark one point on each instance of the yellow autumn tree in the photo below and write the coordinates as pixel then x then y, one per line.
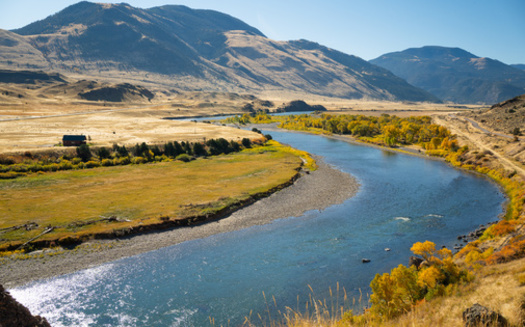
pixel 425 249
pixel 429 277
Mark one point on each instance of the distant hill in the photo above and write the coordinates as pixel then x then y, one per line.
pixel 519 66
pixel 28 77
pixel 39 85
pixel 197 50
pixel 455 75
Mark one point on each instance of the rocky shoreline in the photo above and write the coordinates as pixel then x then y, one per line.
pixel 314 190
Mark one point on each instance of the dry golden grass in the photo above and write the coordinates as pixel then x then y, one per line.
pixel 131 123
pixel 140 193
pixel 105 129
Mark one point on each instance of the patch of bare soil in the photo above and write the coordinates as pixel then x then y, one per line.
pixel 496 149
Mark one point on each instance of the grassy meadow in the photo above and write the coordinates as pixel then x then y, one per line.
pixel 73 202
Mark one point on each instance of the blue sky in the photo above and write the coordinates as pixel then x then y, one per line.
pixel 365 28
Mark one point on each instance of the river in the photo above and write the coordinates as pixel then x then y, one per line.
pixel 403 199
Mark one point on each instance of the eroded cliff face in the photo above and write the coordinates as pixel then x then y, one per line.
pixel 13 313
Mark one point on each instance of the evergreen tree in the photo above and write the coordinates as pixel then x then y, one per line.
pixel 103 153
pixel 235 146
pixel 84 153
pixel 178 148
pixel 169 150
pixel 199 150
pixel 246 142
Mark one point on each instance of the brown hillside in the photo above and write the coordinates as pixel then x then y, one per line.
pixel 504 116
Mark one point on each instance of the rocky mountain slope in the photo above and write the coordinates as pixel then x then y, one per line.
pixel 186 49
pixel 455 75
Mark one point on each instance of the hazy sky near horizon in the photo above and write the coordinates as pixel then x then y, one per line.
pixel 365 28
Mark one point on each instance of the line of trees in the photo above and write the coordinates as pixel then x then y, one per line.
pixel 385 129
pixel 86 157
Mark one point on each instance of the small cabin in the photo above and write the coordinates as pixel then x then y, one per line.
pixel 73 140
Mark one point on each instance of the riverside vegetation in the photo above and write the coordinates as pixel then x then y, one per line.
pixel 103 193
pixel 405 291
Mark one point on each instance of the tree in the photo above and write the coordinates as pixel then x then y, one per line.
pixel 391 134
pixel 426 249
pixel 84 153
pixel 178 148
pixel 395 293
pixel 187 148
pixel 169 150
pixel 120 151
pixel 246 142
pixel 199 150
pixel 103 153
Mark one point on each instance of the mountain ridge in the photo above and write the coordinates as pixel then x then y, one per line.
pixel 196 50
pixel 455 75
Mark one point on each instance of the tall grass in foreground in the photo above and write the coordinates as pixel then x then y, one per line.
pixel 322 313
pixel 314 312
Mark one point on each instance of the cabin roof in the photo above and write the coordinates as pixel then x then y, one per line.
pixel 74 138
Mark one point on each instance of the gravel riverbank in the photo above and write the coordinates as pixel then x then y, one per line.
pixel 313 191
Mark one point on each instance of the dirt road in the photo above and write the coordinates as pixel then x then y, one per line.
pixel 454 123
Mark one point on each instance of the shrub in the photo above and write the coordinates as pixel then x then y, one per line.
pixel 514 250
pixel 107 162
pixel 502 228
pixel 4 160
pixel 66 165
pixel 124 161
pixel 475 255
pixel 92 164
pixel 138 160
pixel 183 157
pixel 9 175
pixel 20 168
pixel 51 167
pixel 36 167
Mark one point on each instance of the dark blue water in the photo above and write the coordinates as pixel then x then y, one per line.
pixel 222 117
pixel 402 200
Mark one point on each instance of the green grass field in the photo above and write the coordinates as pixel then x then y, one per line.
pixel 141 194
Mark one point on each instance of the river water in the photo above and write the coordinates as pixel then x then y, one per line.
pixel 402 200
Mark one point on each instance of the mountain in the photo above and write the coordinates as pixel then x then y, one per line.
pixel 455 75
pixel 187 49
pixel 519 66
